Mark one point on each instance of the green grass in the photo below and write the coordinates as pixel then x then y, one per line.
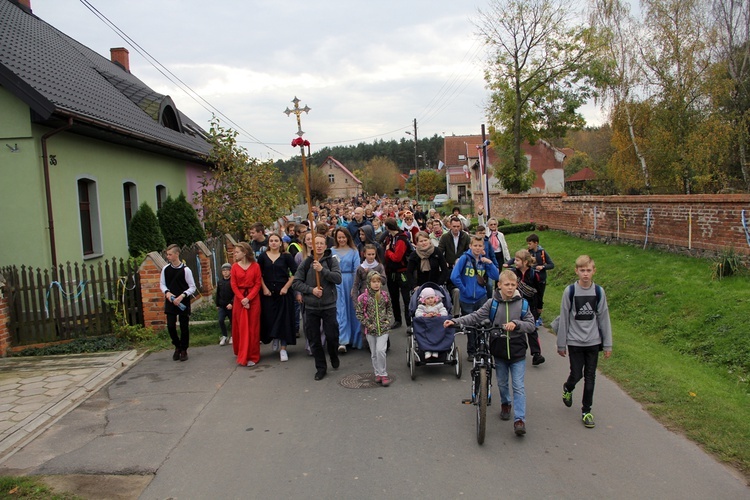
pixel 681 346
pixel 29 488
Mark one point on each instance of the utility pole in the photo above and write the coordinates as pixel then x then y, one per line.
pixel 416 160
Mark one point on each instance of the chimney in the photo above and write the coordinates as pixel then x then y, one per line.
pixel 121 57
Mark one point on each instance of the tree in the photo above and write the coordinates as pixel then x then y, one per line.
pixel 379 175
pixel 431 182
pixel 144 235
pixel 240 190
pixel 535 74
pixel 179 222
pixel 319 185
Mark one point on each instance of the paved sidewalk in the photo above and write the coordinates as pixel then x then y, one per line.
pixel 36 391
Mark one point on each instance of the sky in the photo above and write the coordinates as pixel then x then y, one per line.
pixel 366 69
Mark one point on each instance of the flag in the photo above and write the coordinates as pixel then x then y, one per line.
pixel 440 165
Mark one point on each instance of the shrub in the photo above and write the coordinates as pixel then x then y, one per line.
pixel 179 222
pixel 145 235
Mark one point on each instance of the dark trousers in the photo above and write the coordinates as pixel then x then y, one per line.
pixel 540 288
pixel 534 346
pixel 583 362
pixel 313 320
pixel 183 341
pixel 397 284
pixel 225 313
pixel 471 337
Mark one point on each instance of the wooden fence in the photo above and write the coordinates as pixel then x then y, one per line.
pixel 71 301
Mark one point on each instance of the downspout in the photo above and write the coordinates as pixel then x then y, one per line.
pixel 47 189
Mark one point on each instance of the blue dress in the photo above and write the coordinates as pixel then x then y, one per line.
pixel 349 326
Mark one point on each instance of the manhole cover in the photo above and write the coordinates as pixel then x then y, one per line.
pixel 360 381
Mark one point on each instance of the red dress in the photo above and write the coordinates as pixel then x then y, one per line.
pixel 246 322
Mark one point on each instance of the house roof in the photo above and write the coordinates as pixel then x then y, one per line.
pixel 59 78
pixel 585 174
pixel 342 167
pixel 468 146
pixel 456 175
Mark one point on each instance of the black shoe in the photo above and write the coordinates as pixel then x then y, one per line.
pixel 176 355
pixel 537 359
pixel 319 375
pixel 335 362
pixel 183 356
pixel 396 324
pixel 505 412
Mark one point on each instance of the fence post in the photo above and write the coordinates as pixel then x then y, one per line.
pixel 204 255
pixel 4 319
pixel 152 298
pixel 230 244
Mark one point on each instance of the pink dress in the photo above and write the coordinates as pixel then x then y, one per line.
pixel 246 322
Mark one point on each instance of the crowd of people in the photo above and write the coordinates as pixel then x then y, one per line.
pixel 347 279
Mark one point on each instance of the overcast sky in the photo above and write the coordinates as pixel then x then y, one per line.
pixel 366 68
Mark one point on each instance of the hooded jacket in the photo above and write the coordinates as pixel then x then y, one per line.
pixel 376 316
pixel 513 344
pixel 305 282
pixel 369 238
pixel 464 276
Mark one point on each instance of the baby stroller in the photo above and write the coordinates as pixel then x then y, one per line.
pixel 429 335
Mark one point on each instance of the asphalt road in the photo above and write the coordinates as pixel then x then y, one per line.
pixel 207 428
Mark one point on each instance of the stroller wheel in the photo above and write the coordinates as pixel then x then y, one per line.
pixel 457 359
pixel 413 365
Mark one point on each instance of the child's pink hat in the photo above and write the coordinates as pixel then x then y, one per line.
pixel 427 293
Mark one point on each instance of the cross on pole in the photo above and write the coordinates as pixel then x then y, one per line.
pixel 297 111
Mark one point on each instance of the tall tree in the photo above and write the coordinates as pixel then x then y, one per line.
pixel 144 234
pixel 431 182
pixel 240 190
pixel 538 60
pixel 379 175
pixel 179 222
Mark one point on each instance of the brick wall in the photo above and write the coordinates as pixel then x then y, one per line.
pixel 153 299
pixel 4 319
pixel 693 224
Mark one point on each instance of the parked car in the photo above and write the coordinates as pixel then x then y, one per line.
pixel 440 199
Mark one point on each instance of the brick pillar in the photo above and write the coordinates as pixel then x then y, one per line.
pixel 204 256
pixel 230 244
pixel 4 320
pixel 153 299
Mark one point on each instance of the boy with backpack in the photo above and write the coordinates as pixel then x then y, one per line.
pixel 543 263
pixel 584 329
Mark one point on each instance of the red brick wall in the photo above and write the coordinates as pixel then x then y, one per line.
pixel 691 223
pixel 153 299
pixel 4 319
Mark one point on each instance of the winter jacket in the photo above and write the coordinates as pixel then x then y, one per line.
pixel 513 344
pixel 542 259
pixel 376 316
pixel 305 282
pixel 370 238
pixel 353 227
pixel 396 248
pixel 464 277
pixel 360 279
pixel 438 273
pixel 224 294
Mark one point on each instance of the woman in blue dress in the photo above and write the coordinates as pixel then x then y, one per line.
pixel 348 256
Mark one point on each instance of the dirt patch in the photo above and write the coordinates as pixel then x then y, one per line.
pixel 99 487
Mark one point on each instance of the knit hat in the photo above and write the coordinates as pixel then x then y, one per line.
pixel 427 293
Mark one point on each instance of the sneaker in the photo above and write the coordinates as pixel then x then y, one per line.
pixel 519 427
pixel 588 420
pixel 505 412
pixel 428 355
pixel 251 363
pixel 230 340
pixel 223 340
pixel 284 356
pixel 378 379
pixel 183 356
pixel 319 375
pixel 335 363
pixel 176 355
pixel 539 322
pixel 385 381
pixel 342 349
pixel 537 359
pixel 567 397
pixel 275 345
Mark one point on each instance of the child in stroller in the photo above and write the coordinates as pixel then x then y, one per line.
pixel 430 306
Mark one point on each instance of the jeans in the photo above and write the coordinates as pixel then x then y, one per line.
pixel 471 337
pixel 225 313
pixel 378 347
pixel 516 370
pixel 583 362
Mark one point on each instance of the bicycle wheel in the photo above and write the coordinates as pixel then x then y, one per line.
pixel 482 405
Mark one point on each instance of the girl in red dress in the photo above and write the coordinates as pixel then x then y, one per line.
pixel 246 282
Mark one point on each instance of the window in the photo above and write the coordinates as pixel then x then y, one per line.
pixel 346 181
pixel 130 197
pixel 88 210
pixel 161 196
pixel 331 178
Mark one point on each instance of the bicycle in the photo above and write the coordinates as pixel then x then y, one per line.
pixel 481 374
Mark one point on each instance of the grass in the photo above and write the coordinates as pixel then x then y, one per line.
pixel 680 343
pixel 29 488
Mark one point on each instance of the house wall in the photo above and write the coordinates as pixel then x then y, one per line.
pixel 690 224
pixel 24 224
pixel 343 186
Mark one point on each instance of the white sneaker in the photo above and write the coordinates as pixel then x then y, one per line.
pixel 251 363
pixel 284 355
pixel 275 345
pixel 223 340
pixel 230 340
pixel 342 349
pixel 427 355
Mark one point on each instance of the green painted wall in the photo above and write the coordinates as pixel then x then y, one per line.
pixel 23 220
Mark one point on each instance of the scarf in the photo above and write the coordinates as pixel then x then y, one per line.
pixel 424 255
pixel 495 241
pixel 409 227
pixel 367 265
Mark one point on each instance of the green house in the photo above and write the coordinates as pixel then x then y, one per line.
pixel 82 143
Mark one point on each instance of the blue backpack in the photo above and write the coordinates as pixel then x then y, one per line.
pixel 495 303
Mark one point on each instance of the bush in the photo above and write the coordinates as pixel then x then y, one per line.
pixel 145 235
pixel 523 227
pixel 179 222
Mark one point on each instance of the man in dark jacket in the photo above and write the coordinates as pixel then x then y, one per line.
pixel 397 247
pixel 454 244
pixel 357 222
pixel 316 279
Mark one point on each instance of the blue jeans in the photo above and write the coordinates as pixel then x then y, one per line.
pixel 471 337
pixel 516 370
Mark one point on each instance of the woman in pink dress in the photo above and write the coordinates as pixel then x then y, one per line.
pixel 246 282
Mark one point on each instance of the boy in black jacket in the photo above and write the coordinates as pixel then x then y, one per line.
pixel 543 263
pixel 224 298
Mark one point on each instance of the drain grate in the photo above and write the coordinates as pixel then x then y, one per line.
pixel 360 381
